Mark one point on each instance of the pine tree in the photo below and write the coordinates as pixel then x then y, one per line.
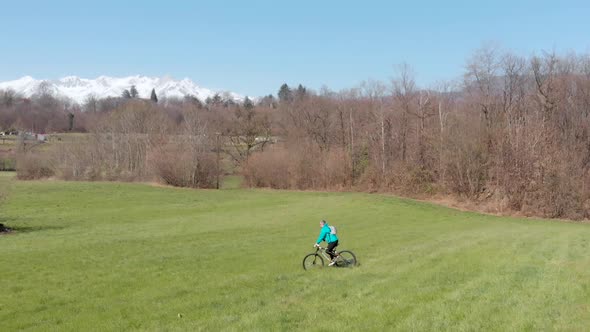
pixel 133 92
pixel 248 104
pixel 126 94
pixel 301 91
pixel 268 101
pixel 190 99
pixel 153 97
pixel 217 100
pixel 229 103
pixel 70 121
pixel 285 94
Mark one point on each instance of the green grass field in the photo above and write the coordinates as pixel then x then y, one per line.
pixel 112 256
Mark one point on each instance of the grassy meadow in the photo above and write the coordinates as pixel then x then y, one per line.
pixel 119 256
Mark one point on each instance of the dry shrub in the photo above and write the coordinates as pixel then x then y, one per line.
pixel 7 161
pixel 179 168
pixel 75 162
pixel 299 168
pixel 411 179
pixel 371 180
pixel 402 178
pixel 465 165
pixel 31 166
pixel 559 196
pixel 90 159
pixel 338 171
pixel 268 169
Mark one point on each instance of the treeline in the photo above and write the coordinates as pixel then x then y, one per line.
pixel 44 112
pixel 182 142
pixel 512 134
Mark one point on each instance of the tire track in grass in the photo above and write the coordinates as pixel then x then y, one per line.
pixel 505 294
pixel 563 289
pixel 405 301
pixel 428 272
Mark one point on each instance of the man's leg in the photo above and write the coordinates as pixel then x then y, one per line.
pixel 330 249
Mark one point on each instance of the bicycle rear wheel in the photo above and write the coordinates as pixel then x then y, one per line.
pixel 346 259
pixel 313 261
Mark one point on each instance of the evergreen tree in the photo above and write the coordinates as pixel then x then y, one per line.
pixel 190 99
pixel 248 104
pixel 133 92
pixel 217 100
pixel 268 101
pixel 301 91
pixel 126 94
pixel 285 93
pixel 153 97
pixel 229 102
pixel 70 121
pixel 8 98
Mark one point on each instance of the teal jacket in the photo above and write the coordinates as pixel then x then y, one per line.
pixel 326 236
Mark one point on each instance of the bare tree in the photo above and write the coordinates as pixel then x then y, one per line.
pixel 544 73
pixel 481 80
pixel 404 93
pixel 91 103
pixel 246 131
pixel 375 91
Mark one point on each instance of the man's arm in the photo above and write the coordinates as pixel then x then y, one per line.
pixel 322 235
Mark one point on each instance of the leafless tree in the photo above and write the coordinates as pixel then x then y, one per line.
pixel 404 93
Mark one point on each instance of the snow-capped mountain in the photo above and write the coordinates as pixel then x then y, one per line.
pixel 79 89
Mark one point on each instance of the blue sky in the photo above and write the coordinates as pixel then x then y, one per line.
pixel 251 47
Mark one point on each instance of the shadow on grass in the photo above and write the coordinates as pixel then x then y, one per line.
pixel 14 227
pixel 29 229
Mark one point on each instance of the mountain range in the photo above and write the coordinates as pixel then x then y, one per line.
pixel 79 89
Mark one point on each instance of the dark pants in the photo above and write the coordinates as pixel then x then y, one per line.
pixel 330 249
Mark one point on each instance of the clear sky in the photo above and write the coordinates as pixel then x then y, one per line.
pixel 251 47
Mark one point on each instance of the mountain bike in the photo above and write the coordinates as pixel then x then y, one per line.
pixel 344 258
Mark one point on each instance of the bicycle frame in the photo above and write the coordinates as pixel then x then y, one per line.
pixel 343 258
pixel 323 252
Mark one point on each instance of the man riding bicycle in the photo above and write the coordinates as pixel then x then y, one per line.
pixel 327 235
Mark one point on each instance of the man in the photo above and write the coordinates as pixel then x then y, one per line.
pixel 327 235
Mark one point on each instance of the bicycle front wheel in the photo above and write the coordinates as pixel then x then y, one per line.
pixel 346 259
pixel 313 261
